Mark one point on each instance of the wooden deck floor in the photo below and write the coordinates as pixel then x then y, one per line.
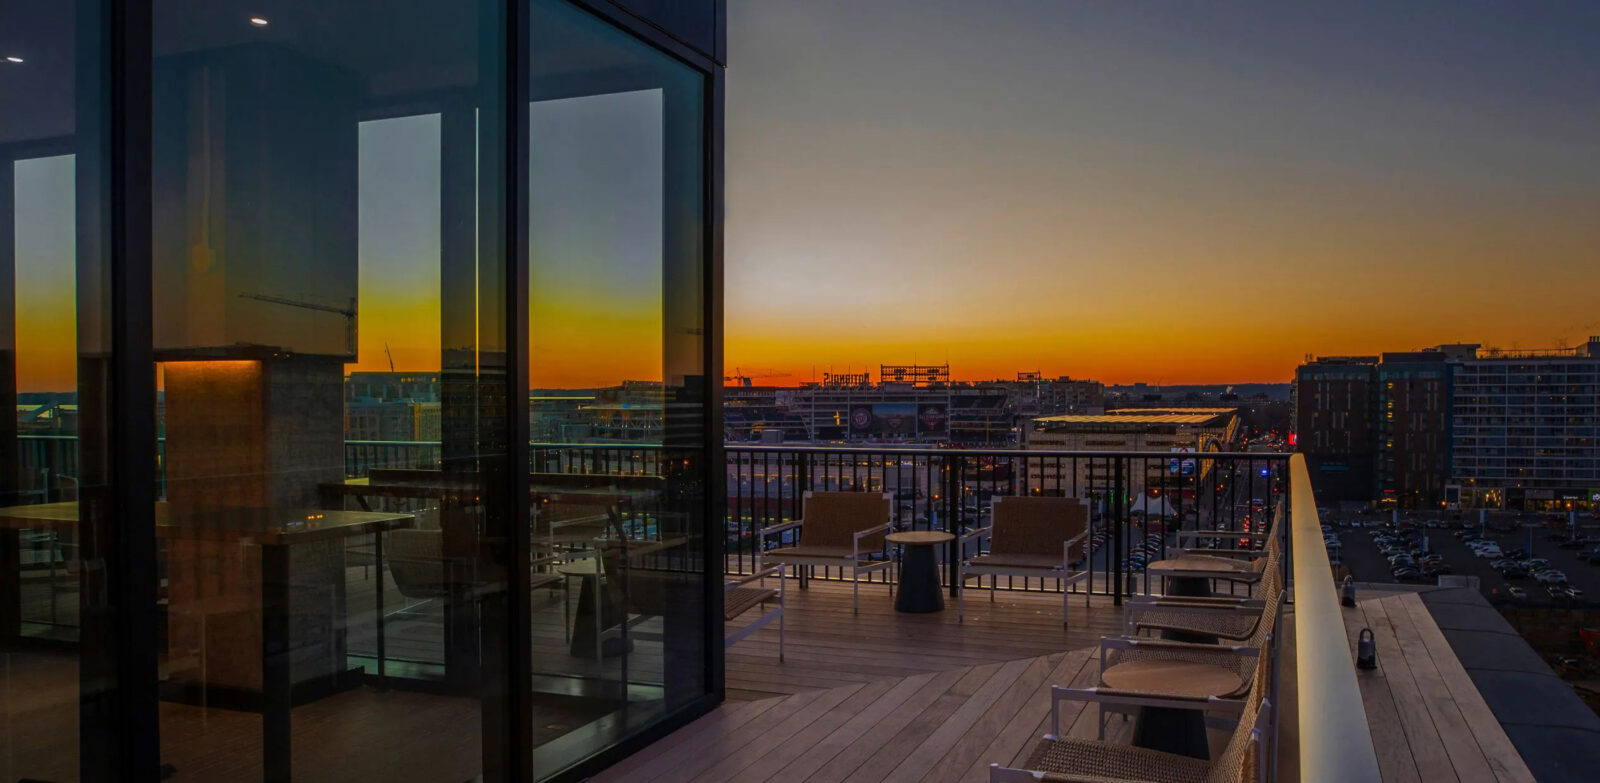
pixel 940 726
pixel 828 647
pixel 902 697
pixel 875 696
pixel 1428 721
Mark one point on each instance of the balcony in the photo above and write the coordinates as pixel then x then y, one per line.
pixel 887 695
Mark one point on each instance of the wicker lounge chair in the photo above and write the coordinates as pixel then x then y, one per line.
pixel 740 596
pixel 1141 670
pixel 1188 540
pixel 1058 759
pixel 1215 564
pixel 1030 537
pixel 1223 617
pixel 839 529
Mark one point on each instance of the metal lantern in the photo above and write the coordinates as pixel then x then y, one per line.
pixel 1366 650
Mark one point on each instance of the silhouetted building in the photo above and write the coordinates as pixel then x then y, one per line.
pixel 1335 418
pixel 1414 421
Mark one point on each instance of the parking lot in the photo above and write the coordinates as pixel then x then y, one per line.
pixel 1529 539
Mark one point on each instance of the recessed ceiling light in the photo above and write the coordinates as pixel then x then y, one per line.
pixel 259 21
pixel 13 59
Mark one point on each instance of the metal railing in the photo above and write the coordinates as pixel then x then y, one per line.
pixel 952 489
pixel 933 489
pixel 1335 742
pixel 1137 499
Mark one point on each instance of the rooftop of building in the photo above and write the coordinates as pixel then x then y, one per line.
pixel 1200 419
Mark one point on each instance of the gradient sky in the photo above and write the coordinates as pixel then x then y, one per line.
pixel 1129 191
pixel 1163 192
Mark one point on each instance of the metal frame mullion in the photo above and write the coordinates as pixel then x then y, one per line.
pixel 515 751
pixel 119 727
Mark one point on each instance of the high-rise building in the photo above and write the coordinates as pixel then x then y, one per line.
pixel 1414 421
pixel 1335 425
pixel 1527 428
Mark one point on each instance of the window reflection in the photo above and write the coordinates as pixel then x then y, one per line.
pixel 615 228
pixel 52 352
pixel 324 201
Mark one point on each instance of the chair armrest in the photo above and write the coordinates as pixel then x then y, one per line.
pixel 1122 698
pixel 776 571
pixel 883 528
pixel 855 541
pixel 1128 643
pixel 767 531
pixel 1250 553
pixel 976 533
pixel 1066 549
pixel 1195 534
pixel 1191 602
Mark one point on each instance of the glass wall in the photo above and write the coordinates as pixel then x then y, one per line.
pixel 617 246
pixel 328 259
pixel 362 562
pixel 54 348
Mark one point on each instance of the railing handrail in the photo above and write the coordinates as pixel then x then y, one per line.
pixel 918 451
pixel 1020 453
pixel 1335 741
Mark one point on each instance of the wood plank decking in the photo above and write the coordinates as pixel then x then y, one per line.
pixel 829 647
pixel 875 696
pixel 1428 721
pixel 907 697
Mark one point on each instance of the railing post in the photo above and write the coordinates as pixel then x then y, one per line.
pixel 952 524
pixel 1119 529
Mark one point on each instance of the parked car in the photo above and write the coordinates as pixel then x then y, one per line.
pixel 1514 572
pixel 1516 592
pixel 1574 593
pixel 1404 573
pixel 1551 577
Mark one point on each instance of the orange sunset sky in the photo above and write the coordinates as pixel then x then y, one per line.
pixel 1167 193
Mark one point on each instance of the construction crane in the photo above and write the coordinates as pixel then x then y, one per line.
pixel 349 314
pixel 743 379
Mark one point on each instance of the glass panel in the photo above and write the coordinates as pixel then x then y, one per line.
pixel 617 252
pixel 327 263
pixel 53 353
